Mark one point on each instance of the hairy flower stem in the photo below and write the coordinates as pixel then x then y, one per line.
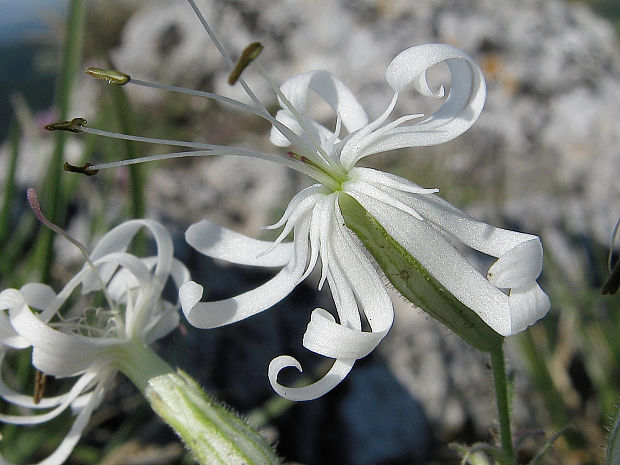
pixel 503 407
pixel 214 433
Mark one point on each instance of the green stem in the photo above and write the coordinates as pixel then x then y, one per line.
pixel 501 394
pixel 9 185
pixel 137 204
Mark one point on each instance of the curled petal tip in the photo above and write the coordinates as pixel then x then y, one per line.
pixel 190 294
pixel 519 266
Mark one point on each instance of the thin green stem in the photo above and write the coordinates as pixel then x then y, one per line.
pixel 9 185
pixel 501 394
pixel 137 206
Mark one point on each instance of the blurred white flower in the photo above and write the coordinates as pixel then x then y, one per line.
pixel 120 307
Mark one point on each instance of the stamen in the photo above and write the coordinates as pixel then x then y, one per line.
pixel 111 76
pixel 149 140
pixel 320 173
pixel 303 123
pixel 290 135
pixel 200 93
pixel 40 379
pixel 226 56
pixel 36 208
pixel 248 55
pixel 76 125
pixel 84 169
pixel 217 150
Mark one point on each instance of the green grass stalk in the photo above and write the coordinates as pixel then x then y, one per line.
pixel 54 203
pixel 9 184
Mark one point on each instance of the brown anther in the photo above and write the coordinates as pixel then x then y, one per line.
pixel 40 379
pixel 84 169
pixel 75 125
pixel 248 55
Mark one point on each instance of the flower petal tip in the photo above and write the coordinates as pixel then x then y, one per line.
pixel 190 294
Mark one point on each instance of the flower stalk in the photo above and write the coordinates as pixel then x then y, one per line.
pixel 503 406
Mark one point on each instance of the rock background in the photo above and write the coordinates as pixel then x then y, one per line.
pixel 544 158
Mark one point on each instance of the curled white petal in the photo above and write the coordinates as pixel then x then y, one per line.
pixel 381 178
pixel 17 398
pixel 223 312
pixel 57 353
pixel 519 255
pixel 215 241
pixel 9 299
pixel 190 294
pixel 519 266
pixel 358 188
pixel 336 374
pixel 118 239
pixel 80 385
pixel 326 337
pixel 331 89
pixel 227 311
pixel 458 113
pixel 38 295
pixel 527 305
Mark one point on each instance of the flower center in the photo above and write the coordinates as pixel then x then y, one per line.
pixel 94 322
pixel 326 175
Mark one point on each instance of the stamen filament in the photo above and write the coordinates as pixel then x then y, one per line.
pixel 290 135
pixel 301 167
pixel 310 169
pixel 200 93
pixel 150 140
pixel 324 157
pixel 36 208
pixel 226 56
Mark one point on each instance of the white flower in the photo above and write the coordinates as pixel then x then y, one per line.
pixel 420 225
pixel 508 299
pixel 92 343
